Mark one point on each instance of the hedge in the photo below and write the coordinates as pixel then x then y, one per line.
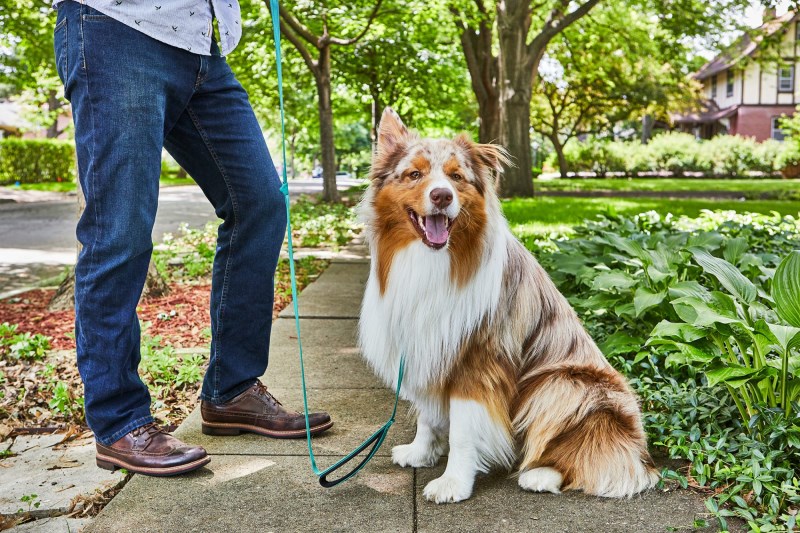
pixel 36 160
pixel 679 153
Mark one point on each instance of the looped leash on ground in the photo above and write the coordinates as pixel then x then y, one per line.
pixel 377 438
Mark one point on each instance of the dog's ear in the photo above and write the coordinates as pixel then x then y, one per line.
pixel 491 157
pixel 392 133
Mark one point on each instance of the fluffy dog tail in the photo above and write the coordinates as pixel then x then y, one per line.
pixel 581 430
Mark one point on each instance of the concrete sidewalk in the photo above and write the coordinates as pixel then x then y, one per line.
pixel 258 484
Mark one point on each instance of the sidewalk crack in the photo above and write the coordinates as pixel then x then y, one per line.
pixel 414 501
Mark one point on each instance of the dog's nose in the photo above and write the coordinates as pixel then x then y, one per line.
pixel 441 197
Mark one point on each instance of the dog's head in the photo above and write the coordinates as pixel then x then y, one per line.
pixel 433 190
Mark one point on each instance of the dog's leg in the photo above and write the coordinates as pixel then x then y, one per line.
pixel 477 441
pixel 430 441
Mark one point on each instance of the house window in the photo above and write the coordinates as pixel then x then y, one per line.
pixel 797 31
pixel 786 79
pixel 714 87
pixel 775 131
pixel 729 84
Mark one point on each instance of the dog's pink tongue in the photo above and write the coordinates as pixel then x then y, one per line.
pixel 436 229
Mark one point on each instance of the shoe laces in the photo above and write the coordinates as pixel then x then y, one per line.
pixel 262 390
pixel 149 431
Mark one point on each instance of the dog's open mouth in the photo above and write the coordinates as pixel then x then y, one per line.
pixel 434 229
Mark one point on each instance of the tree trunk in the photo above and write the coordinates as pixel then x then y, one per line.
pixel 53 105
pixel 489 113
pixel 647 128
pixel 376 119
pixel 477 45
pixel 516 72
pixel 327 148
pixel 558 147
pixel 292 149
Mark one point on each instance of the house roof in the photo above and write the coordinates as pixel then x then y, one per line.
pixel 744 47
pixel 708 115
pixel 11 117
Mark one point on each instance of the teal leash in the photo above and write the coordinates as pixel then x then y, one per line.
pixel 379 436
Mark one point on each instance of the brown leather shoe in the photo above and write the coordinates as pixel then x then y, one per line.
pixel 150 450
pixel 257 411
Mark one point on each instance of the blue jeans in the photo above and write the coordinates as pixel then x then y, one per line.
pixel 132 95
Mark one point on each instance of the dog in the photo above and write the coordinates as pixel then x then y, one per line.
pixel 498 366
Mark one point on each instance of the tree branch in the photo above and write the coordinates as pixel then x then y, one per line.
pixel 354 40
pixel 298 44
pixel 298 28
pixel 555 24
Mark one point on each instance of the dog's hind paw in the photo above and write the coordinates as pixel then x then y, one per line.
pixel 541 479
pixel 411 455
pixel 447 489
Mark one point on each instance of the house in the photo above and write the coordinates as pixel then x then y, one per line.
pixel 11 122
pixel 746 90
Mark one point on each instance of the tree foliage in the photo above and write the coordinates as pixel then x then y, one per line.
pixel 609 68
pixel 27 66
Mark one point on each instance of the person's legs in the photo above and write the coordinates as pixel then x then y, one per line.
pixel 220 144
pixel 126 91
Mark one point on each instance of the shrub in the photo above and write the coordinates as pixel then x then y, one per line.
pixel 594 155
pixel 769 154
pixel 679 153
pixel 676 152
pixel 36 160
pixel 729 154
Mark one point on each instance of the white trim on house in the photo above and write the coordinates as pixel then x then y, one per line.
pixel 786 79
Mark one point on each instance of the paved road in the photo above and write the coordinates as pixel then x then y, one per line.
pixel 37 238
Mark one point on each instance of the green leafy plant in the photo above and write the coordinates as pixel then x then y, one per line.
pixel 23 346
pixel 64 402
pixel 700 314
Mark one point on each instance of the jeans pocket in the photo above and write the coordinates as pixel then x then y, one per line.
pixel 60 47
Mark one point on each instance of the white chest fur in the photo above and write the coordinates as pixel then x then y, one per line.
pixel 423 315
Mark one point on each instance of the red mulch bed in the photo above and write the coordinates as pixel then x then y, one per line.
pixel 179 318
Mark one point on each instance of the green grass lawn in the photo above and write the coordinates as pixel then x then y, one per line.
pixel 68 186
pixel 748 187
pixel 55 186
pixel 537 218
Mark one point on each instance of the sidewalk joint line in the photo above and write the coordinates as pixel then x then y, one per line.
pixel 414 517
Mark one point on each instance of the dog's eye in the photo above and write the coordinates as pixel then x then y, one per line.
pixel 457 177
pixel 415 175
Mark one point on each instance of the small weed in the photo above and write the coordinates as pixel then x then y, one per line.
pixel 64 402
pixel 190 370
pixel 32 500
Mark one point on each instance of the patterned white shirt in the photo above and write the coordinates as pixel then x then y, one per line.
pixel 185 24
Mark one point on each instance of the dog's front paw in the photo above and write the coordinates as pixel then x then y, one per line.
pixel 415 456
pixel 447 489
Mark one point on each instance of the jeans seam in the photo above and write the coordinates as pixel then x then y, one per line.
pixel 90 179
pixel 234 232
pixel 130 426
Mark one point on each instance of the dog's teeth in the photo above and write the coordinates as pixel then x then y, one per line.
pixel 421 220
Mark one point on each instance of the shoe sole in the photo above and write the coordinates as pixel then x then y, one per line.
pixel 221 429
pixel 111 463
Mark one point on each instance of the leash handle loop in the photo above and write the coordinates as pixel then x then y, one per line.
pixel 379 436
